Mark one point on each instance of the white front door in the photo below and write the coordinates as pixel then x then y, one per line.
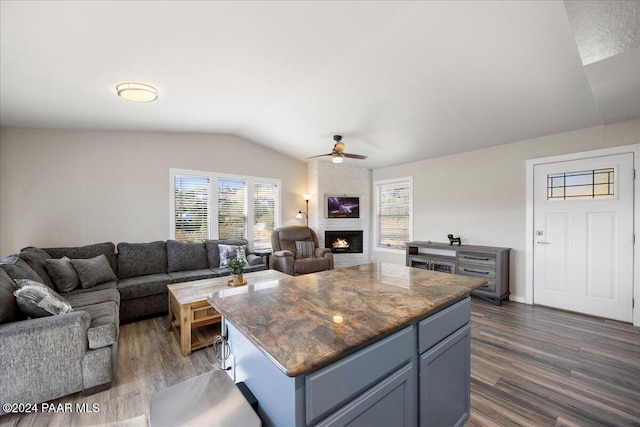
pixel 583 236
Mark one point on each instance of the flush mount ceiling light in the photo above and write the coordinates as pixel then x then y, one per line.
pixel 137 92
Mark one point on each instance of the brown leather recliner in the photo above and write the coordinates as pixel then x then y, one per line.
pixel 285 259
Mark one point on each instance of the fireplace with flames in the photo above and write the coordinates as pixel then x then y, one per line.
pixel 349 241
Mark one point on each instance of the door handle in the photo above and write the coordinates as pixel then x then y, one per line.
pixel 542 242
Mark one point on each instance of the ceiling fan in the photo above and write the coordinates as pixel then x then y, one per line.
pixel 338 153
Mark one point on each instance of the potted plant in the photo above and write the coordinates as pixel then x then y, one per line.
pixel 236 265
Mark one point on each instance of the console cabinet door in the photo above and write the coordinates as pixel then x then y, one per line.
pixel 445 381
pixel 389 403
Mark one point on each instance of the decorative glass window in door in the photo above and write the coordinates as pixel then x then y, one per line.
pixel 592 184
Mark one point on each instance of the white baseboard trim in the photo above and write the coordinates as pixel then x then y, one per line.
pixel 517 299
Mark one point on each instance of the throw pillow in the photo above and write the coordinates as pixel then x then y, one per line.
pixel 228 252
pixel 305 249
pixel 9 310
pixel 38 300
pixel 93 271
pixel 64 276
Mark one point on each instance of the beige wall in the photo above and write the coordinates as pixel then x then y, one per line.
pixel 67 187
pixel 480 195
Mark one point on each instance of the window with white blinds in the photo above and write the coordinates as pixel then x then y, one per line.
pixel 191 207
pixel 206 205
pixel 394 205
pixel 265 197
pixel 232 209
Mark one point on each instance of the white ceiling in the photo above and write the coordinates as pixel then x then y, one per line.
pixel 401 81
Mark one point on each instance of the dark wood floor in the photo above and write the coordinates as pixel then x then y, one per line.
pixel 530 366
pixel 544 367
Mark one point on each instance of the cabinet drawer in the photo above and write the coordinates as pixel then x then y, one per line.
pixel 477 271
pixel 204 313
pixel 434 329
pixel 333 386
pixel 489 287
pixel 484 258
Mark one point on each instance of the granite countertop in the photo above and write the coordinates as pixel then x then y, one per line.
pixel 305 322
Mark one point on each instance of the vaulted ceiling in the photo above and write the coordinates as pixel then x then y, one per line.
pixel 401 81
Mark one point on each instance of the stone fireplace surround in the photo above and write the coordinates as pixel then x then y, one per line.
pixel 344 179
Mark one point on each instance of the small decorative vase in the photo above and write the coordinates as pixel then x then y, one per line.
pixel 238 279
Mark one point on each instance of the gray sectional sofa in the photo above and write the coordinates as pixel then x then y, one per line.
pixel 48 357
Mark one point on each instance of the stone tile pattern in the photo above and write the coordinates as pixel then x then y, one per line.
pixel 295 321
pixel 330 179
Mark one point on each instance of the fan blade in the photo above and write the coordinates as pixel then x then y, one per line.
pixel 354 156
pixel 320 155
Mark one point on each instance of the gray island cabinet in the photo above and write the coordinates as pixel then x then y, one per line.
pixel 370 345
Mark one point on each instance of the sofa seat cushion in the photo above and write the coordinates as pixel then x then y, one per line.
pixel 36 259
pixel 142 286
pixel 9 310
pixel 183 256
pixel 252 268
pixel 107 249
pixel 101 286
pixel 311 265
pixel 186 276
pixel 83 299
pixel 141 259
pixel 105 321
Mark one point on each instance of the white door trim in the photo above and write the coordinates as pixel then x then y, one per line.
pixel 635 149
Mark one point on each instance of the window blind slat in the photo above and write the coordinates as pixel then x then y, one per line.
pixel 264 213
pixel 232 209
pixel 191 208
pixel 393 216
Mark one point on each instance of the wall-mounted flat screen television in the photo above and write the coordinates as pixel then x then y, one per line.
pixel 343 207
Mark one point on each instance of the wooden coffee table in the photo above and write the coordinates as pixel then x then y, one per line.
pixel 189 309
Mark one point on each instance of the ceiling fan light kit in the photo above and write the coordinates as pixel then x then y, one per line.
pixel 338 154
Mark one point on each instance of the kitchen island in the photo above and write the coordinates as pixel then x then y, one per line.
pixel 375 344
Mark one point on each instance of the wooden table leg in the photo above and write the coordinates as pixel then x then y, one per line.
pixel 185 330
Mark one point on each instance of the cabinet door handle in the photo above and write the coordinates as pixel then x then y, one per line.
pixel 476 258
pixel 475 271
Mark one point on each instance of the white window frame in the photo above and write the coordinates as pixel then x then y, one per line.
pixel 376 185
pixel 213 199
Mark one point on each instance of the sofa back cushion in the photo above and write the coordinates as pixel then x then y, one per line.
pixel 87 252
pixel 141 259
pixel 17 268
pixel 182 256
pixel 213 252
pixel 9 310
pixel 36 259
